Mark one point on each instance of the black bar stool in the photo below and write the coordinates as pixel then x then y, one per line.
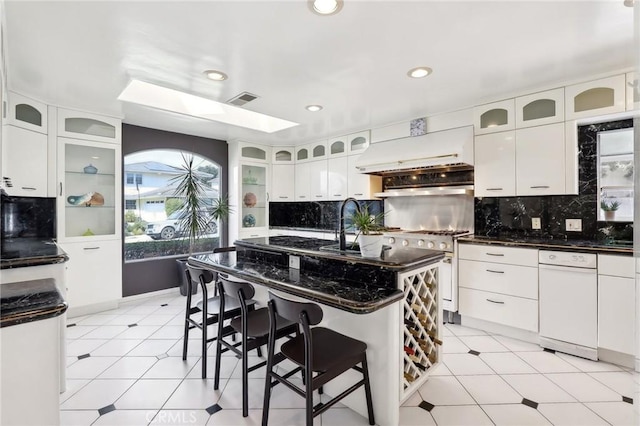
pixel 318 350
pixel 253 326
pixel 211 313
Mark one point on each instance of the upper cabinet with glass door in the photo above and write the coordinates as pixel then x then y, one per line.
pixel 358 142
pixel 540 108
pixel 283 155
pixel 89 190
pixel 303 154
pixel 615 175
pixel 86 126
pixel 494 117
pixel 598 97
pixel 337 147
pixel 27 113
pixel 254 153
pixel 318 150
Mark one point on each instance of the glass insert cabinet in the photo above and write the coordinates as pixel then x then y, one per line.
pixel 253 203
pixel 615 175
pixel 89 190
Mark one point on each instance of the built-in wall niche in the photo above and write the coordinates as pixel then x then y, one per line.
pixel 615 175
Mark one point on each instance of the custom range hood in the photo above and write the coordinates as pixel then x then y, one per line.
pixel 438 163
pixel 432 151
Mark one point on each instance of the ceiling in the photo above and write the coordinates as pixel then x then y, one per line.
pixel 81 54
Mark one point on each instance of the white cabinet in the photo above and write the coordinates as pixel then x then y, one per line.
pixel 337 176
pixel 318 150
pixel 499 284
pixel 494 117
pixel 90 127
pixel 540 161
pixel 632 92
pixel 318 180
pixel 25 169
pixel 27 113
pixel 495 163
pixel 282 182
pixel 358 142
pixel 282 174
pixel 302 182
pixel 616 303
pixel 598 97
pixel 337 147
pixel 94 272
pixel 540 108
pixel 359 185
pixel 303 154
pixel 254 207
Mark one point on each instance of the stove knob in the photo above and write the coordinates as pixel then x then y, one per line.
pixel 392 240
pixel 442 246
pixel 420 243
pixel 430 244
pixel 405 243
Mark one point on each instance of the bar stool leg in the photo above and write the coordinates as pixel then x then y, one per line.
pixel 367 389
pixel 245 374
pixel 185 336
pixel 205 298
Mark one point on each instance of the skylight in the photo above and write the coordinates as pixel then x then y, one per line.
pixel 151 95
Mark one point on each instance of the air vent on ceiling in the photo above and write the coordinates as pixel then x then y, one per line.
pixel 242 98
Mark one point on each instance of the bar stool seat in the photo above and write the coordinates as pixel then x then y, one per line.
pixel 258 323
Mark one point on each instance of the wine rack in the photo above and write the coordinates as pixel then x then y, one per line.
pixel 422 324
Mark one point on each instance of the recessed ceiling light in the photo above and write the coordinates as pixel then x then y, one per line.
pixel 325 7
pixel 629 3
pixel 215 75
pixel 142 93
pixel 419 72
pixel 314 108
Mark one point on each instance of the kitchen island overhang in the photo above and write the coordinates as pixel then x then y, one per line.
pixel 398 288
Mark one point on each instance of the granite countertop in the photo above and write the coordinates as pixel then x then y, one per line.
pixel 342 294
pixel 20 252
pixel 397 258
pixel 553 244
pixel 29 301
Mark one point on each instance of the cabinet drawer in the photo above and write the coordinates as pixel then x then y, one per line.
pixel 499 254
pixel 521 281
pixel 617 266
pixel 507 310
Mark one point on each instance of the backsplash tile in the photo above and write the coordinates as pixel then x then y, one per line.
pixel 315 215
pixel 511 216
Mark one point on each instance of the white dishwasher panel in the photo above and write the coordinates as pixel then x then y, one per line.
pixel 569 304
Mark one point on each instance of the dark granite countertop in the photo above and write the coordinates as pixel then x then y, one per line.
pixel 348 282
pixel 553 244
pixel 29 301
pixel 21 252
pixel 397 258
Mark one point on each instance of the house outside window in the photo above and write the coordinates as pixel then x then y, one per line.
pixel 134 178
pixel 130 204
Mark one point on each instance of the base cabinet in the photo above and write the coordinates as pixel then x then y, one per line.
pixel 616 303
pixel 94 272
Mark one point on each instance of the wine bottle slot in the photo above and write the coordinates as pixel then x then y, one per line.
pixel 416 308
pixel 408 350
pixel 409 323
pixel 408 377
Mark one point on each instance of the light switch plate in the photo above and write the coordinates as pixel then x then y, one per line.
pixel 574 225
pixel 535 223
pixel 294 262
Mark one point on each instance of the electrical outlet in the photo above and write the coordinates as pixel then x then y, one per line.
pixel 574 225
pixel 535 223
pixel 294 262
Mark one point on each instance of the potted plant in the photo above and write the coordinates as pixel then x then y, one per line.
pixel 369 232
pixel 609 209
pixel 198 217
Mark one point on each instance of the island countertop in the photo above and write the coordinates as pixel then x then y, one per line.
pixel 343 292
pixel 21 252
pixel 552 244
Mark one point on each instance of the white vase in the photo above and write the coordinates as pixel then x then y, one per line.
pixel 370 245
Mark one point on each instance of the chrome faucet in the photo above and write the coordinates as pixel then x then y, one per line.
pixel 343 240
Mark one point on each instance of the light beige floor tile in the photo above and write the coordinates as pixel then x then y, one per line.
pixel 445 390
pixel 483 344
pixel 616 413
pixel 126 418
pixel 171 368
pixel 507 363
pixel 514 414
pixel 90 368
pixel 147 394
pixel 195 394
pixel 537 388
pixel 570 414
pixel 620 382
pixel 116 347
pixel 516 345
pixel 460 330
pixel 129 368
pixel 466 415
pixel 97 394
pixel 490 390
pixel 587 365
pixel 466 364
pixel 181 417
pixel 415 416
pixel 342 417
pixel 78 418
pixel 546 362
pixel 584 387
pixel 453 345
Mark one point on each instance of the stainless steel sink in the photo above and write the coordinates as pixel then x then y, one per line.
pixel 351 248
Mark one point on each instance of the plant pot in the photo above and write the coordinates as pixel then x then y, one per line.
pixel 182 277
pixel 609 215
pixel 370 245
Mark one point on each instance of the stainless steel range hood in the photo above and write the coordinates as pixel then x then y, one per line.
pixel 427 191
pixel 430 152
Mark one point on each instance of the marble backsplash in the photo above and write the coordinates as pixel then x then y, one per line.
pixel 323 215
pixel 28 217
pixel 511 216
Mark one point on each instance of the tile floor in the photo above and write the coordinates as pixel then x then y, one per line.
pixel 124 367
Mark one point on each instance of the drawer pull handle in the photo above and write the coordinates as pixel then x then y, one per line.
pixel 28 188
pixel 495 254
pixel 494 189
pixel 359 194
pixel 495 272
pixel 540 187
pixel 283 197
pixel 495 301
pixel 91 248
pixel 318 196
pixel 337 195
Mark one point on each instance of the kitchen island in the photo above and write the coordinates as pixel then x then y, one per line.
pixel 391 303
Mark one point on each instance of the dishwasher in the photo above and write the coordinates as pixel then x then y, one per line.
pixel 569 302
